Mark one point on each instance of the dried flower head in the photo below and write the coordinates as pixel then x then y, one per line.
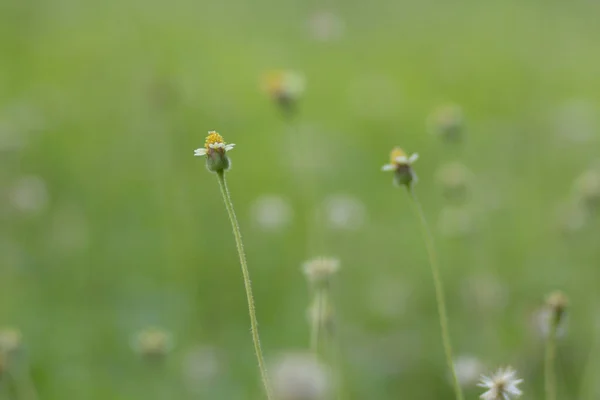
pixel 153 343
pixel 401 164
pixel 557 302
pixel 300 376
pixel 11 340
pixel 501 386
pixel 447 122
pixel 214 149
pixel 319 271
pixel 284 87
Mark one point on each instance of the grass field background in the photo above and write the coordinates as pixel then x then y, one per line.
pixel 108 224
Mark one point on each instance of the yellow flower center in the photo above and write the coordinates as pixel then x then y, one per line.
pixel 212 138
pixel 396 152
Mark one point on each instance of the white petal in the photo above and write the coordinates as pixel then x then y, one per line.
pixel 401 160
pixel 229 146
pixel 388 167
pixel 414 157
pixel 200 152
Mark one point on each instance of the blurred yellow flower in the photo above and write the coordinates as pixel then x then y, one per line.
pixel 401 164
pixel 283 86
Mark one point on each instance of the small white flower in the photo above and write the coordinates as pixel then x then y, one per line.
pixel 501 386
pixel 214 141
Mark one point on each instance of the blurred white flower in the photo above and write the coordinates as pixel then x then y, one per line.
pixel 587 187
pixel 201 366
pixel 271 212
pixel 326 26
pixel 69 229
pixel 300 376
pixel 468 369
pixel 576 120
pixel 447 122
pixel 11 340
pixel 454 178
pixel 484 293
pixel 344 212
pixel 456 221
pixel 374 96
pixel 572 217
pixel 318 271
pixel 29 195
pixel 17 123
pixel 388 298
pixel 501 386
pixel 308 160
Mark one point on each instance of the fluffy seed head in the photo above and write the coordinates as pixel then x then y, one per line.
pixel 501 386
pixel 320 270
pixel 300 376
pixel 468 369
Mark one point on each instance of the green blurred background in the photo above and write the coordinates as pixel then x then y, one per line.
pixel 108 224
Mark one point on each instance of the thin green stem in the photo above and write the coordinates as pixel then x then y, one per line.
pixel 251 309
pixel 588 381
pixel 549 372
pixel 315 319
pixel 439 289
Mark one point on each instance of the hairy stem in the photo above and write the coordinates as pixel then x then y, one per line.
pixel 439 289
pixel 251 309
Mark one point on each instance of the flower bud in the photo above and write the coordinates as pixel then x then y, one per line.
pixel 215 149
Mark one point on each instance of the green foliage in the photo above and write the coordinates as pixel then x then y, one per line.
pixel 103 102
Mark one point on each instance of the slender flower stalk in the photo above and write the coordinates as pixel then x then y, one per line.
pixel 401 165
pixel 550 356
pixel 316 318
pixel 556 304
pixel 439 289
pixel 251 308
pixel 319 272
pixel 217 161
